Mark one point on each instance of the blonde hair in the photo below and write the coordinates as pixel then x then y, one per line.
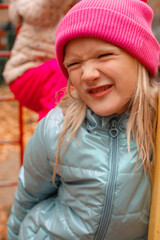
pixel 141 124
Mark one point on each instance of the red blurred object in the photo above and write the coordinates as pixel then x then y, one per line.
pixel 5 53
pixel 2 32
pixel 17 30
pixel 2 37
pixel 4 6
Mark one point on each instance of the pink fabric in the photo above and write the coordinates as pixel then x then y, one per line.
pixel 40 88
pixel 125 23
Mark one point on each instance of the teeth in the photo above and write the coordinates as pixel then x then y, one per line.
pixel 99 89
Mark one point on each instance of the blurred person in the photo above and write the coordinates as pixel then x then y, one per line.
pixel 32 71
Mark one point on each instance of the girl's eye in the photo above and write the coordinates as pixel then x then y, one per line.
pixel 72 64
pixel 105 55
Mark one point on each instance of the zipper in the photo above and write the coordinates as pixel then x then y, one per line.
pixel 107 211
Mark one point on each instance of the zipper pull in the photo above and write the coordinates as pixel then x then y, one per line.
pixel 113 129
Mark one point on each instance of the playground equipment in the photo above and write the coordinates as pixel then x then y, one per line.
pixel 19 141
pixel 154 224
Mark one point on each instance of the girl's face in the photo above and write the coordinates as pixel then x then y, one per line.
pixel 104 75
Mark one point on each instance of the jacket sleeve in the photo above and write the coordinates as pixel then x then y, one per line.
pixel 14 15
pixel 35 178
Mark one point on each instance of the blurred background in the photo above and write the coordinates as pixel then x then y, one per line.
pixel 17 123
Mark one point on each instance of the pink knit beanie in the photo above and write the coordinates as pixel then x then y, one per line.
pixel 125 23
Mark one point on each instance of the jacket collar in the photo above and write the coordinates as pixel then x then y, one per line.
pixel 96 122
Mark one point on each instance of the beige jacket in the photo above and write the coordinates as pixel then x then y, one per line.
pixel 35 42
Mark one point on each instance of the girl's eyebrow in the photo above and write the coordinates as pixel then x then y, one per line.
pixel 113 49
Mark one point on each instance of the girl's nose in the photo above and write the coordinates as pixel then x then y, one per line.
pixel 89 72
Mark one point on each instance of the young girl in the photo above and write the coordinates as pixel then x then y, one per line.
pixel 87 169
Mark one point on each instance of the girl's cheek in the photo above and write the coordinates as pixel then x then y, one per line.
pixel 74 74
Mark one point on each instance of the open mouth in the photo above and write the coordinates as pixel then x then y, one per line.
pixel 100 89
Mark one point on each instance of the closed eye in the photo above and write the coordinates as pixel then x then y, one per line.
pixel 105 55
pixel 72 64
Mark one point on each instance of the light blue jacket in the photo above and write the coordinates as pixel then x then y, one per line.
pixel 99 196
